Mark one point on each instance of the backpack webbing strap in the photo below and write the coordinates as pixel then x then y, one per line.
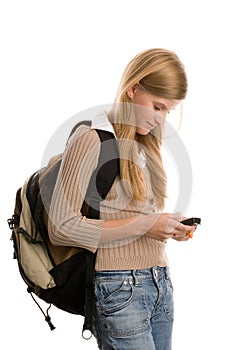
pixel 89 297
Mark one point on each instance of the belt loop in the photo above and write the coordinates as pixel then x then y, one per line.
pixel 135 278
pixel 154 273
pixel 166 273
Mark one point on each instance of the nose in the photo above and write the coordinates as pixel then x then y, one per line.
pixel 164 114
pixel 160 117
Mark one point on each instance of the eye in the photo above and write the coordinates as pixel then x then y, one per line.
pixel 157 108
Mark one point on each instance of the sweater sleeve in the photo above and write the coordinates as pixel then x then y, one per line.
pixel 66 224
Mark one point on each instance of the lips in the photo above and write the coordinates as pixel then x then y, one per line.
pixel 151 126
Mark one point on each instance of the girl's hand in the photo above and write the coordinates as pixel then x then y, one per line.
pixel 165 226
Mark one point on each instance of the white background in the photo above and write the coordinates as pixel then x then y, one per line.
pixel 61 57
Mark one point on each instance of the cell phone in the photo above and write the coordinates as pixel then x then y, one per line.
pixel 191 221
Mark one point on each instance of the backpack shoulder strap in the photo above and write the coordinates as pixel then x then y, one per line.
pixel 104 174
pixel 84 122
pixel 109 165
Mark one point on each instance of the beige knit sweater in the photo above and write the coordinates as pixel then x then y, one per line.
pixel 68 227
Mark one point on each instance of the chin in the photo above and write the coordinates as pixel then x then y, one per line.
pixel 142 132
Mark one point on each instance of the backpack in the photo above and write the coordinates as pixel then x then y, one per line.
pixel 61 276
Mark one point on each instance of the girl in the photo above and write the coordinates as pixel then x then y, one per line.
pixel 133 289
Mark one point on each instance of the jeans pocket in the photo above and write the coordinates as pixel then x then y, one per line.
pixel 113 296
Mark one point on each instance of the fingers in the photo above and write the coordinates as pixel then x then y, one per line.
pixel 176 228
pixel 173 222
pixel 180 230
pixel 183 232
pixel 181 239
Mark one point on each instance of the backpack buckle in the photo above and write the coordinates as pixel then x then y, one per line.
pixel 12 222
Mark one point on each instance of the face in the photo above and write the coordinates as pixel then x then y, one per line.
pixel 150 110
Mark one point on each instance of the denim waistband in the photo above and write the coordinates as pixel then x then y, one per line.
pixel 144 274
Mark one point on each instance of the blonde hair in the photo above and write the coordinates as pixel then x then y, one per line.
pixel 161 73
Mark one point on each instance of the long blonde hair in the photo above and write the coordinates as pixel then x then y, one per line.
pixel 161 73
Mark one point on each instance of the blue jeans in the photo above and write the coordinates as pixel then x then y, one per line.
pixel 134 309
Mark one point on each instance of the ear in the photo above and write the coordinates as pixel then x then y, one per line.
pixel 131 91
